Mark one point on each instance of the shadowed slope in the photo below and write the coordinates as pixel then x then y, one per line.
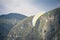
pixel 7 22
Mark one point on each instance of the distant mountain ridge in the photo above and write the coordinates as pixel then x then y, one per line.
pixel 12 15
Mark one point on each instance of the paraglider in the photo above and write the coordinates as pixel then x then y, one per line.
pixel 36 18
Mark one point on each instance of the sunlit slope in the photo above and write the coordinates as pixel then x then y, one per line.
pixel 21 29
pixel 49 25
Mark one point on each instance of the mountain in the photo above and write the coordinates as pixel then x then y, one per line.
pixel 47 28
pixel 49 25
pixel 7 22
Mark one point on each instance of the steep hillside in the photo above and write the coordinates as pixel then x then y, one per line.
pixel 24 30
pixel 7 22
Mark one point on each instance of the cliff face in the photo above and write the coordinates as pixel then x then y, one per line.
pixel 50 25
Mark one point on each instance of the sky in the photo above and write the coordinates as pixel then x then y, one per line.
pixel 27 7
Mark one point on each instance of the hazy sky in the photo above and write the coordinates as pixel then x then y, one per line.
pixel 27 7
